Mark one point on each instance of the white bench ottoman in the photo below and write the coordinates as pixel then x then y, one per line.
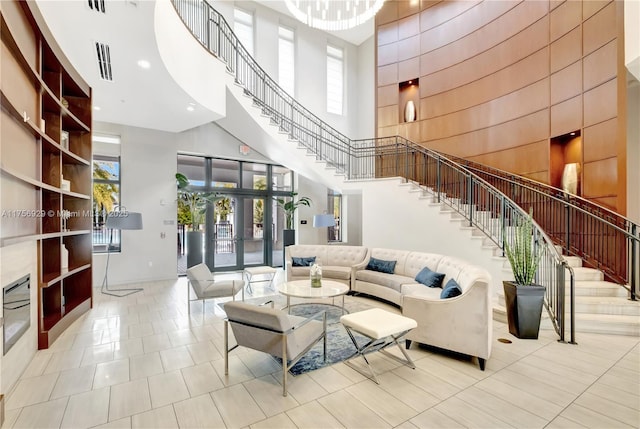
pixel 383 328
pixel 267 274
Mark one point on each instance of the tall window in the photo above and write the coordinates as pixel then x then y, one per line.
pixel 243 27
pixel 286 60
pixel 335 79
pixel 106 198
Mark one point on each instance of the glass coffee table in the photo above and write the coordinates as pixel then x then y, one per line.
pixel 302 289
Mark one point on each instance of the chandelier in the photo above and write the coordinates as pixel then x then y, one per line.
pixel 333 15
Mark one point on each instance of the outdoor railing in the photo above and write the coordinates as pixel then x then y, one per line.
pixel 483 205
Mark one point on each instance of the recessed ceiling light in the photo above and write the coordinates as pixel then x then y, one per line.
pixel 144 64
pixel 96 107
pixel 572 134
pixel 190 108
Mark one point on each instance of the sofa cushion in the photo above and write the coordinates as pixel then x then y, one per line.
pixel 393 281
pixel 336 272
pixel 303 261
pixel 429 278
pixel 381 265
pixel 394 255
pixel 418 290
pixel 450 290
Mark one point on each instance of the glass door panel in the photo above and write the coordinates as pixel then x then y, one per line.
pixel 223 252
pixel 254 233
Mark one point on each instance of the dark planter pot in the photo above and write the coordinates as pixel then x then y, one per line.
pixel 524 309
pixel 194 248
pixel 288 237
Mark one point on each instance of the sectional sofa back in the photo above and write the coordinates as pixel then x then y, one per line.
pixel 329 255
pixel 410 263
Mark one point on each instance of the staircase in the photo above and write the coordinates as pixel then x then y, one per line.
pixel 287 127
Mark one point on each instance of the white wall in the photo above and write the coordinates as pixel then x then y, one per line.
pixel 397 219
pixel 311 68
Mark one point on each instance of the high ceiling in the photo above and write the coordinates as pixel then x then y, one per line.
pixel 147 98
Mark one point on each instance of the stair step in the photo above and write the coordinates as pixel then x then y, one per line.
pixel 573 261
pixel 584 273
pixel 597 288
pixel 599 305
pixel 586 323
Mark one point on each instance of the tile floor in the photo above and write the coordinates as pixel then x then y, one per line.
pixel 141 361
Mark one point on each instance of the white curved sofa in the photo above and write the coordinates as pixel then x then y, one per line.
pixel 463 324
pixel 338 263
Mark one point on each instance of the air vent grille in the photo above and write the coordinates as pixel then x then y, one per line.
pixel 104 61
pixel 97 5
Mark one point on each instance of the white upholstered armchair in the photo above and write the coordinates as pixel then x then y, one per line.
pixel 205 287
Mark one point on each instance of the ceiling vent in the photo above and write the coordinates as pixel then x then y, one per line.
pixel 104 61
pixel 97 5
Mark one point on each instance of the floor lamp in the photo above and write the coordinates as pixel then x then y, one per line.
pixel 324 221
pixel 119 220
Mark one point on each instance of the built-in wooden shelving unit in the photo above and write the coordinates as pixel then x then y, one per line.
pixel 46 137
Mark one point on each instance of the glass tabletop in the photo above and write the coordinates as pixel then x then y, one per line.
pixel 303 289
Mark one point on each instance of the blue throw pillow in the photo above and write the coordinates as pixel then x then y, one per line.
pixel 303 262
pixel 451 289
pixel 429 278
pixel 381 265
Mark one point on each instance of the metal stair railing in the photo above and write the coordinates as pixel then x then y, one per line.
pixel 603 239
pixel 481 204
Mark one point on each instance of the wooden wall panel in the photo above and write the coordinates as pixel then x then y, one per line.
pixel 598 30
pixel 517 76
pixel 388 95
pixel 591 7
pixel 566 116
pixel 388 75
pixel 465 24
pixel 387 54
pixel 499 79
pixel 387 116
pixel 387 33
pixel 531 158
pixel 600 103
pixel 600 178
pixel 408 7
pixel 409 69
pixel 409 27
pixel 443 12
pixel 519 103
pixel 494 33
pixel 566 50
pixel 525 130
pixel 408 48
pixel 600 66
pixel 566 83
pixel 524 44
pixel 599 141
pixel 565 18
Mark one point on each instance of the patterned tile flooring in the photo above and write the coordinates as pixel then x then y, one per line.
pixel 141 361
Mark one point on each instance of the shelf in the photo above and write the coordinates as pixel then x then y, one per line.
pixel 75 195
pixel 8 39
pixel 8 107
pixel 53 278
pixel 27 179
pixel 69 157
pixel 8 241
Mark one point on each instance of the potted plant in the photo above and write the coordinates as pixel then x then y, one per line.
pixel 289 207
pixel 194 204
pixel 523 299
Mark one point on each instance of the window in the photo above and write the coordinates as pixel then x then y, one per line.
pixel 243 27
pixel 286 60
pixel 106 198
pixel 334 205
pixel 335 79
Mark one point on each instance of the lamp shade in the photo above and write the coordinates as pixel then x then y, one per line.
pixel 124 220
pixel 323 220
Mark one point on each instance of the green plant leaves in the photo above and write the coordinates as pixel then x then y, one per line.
pixel 524 255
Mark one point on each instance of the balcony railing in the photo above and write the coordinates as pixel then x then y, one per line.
pixel 469 191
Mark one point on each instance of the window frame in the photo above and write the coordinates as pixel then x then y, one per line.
pixel 288 84
pixel 110 233
pixel 337 55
